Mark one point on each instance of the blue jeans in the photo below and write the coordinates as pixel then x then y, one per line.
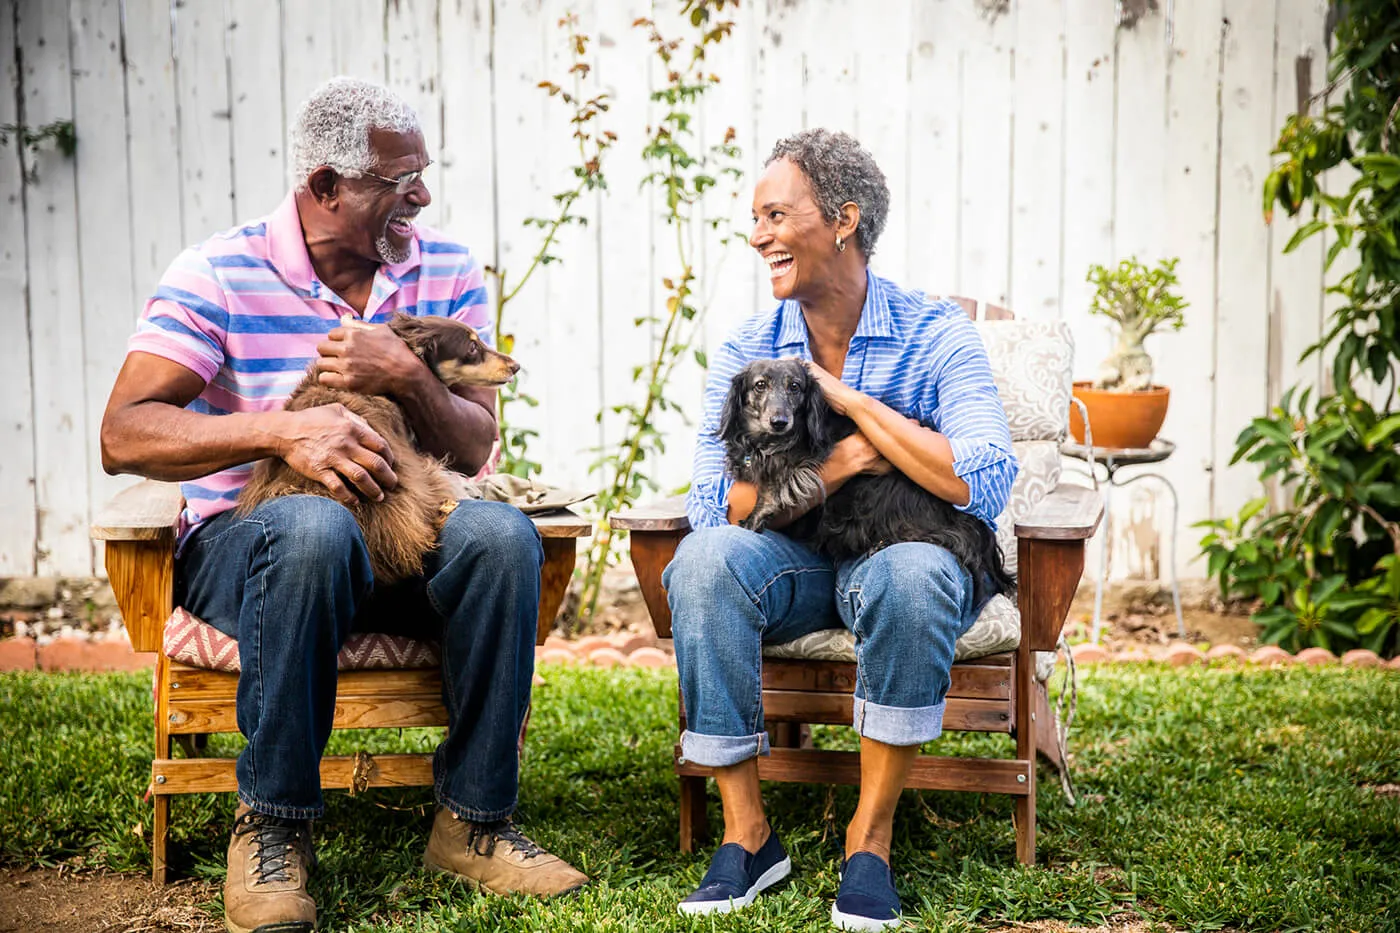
pixel 292 581
pixel 732 590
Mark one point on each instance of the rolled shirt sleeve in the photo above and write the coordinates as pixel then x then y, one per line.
pixel 707 504
pixel 967 410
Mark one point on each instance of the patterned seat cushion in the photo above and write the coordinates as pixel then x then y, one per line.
pixel 198 644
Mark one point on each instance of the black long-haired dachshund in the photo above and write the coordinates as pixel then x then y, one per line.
pixel 400 530
pixel 778 429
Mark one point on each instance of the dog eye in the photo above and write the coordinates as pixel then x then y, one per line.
pixel 760 384
pixel 794 387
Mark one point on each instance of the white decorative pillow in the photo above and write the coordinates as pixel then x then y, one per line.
pixel 1033 365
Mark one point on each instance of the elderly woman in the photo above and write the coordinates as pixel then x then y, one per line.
pixel 915 379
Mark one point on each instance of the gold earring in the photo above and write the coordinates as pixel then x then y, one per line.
pixel 840 245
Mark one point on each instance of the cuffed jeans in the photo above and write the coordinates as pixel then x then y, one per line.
pixel 292 581
pixel 732 590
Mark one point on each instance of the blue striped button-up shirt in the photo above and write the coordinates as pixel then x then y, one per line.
pixel 921 357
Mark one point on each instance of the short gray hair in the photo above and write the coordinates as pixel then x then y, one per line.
pixel 333 125
pixel 839 170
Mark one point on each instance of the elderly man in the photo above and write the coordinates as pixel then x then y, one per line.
pixel 228 334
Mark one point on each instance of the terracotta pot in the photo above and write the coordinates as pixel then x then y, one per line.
pixel 1120 419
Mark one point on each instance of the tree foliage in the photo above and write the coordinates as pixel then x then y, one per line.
pixel 1325 570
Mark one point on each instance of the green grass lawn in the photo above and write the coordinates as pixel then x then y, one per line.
pixel 1213 799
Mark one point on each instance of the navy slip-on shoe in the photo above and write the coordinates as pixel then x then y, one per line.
pixel 736 877
pixel 866 899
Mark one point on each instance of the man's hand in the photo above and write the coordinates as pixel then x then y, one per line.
pixel 367 358
pixel 333 445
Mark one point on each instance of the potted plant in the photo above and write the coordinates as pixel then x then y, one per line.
pixel 1126 408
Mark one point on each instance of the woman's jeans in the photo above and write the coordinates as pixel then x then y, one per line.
pixel 292 581
pixel 732 590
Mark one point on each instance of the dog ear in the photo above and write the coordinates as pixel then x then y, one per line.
pixel 731 419
pixel 818 415
pixel 417 335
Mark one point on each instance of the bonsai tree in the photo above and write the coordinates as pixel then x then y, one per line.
pixel 1138 300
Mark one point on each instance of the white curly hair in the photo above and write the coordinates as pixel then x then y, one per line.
pixel 333 125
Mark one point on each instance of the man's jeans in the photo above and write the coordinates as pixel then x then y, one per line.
pixel 292 581
pixel 732 590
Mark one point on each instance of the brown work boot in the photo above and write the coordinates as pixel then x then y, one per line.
pixel 497 857
pixel 268 862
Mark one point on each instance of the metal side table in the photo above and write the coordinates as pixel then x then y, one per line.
pixel 1112 459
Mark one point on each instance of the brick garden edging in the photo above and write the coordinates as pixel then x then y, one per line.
pixel 630 649
pixel 1182 654
pixel 113 653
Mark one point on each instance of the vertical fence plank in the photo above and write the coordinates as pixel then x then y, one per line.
pixel 55 298
pixel 307 52
pixel 1247 133
pixel 733 277
pixel 781 107
pixel 201 77
pixel 829 95
pixel 935 144
pixel 627 235
pixel 1184 361
pixel 467 185
pixel 414 72
pixel 569 366
pixel 153 143
pixel 110 303
pixel 882 125
pixel 984 185
pixel 1296 278
pixel 1037 164
pixel 258 125
pixel 17 532
pixel 359 41
pixel 523 187
pixel 1088 168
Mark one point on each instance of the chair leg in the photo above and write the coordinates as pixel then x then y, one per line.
pixel 160 830
pixel 1025 751
pixel 1045 740
pixel 695 821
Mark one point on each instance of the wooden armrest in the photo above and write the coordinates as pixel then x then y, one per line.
pixel 663 515
pixel 1068 513
pixel 147 511
pixel 563 523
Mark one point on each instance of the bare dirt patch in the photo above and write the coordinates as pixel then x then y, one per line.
pixel 57 900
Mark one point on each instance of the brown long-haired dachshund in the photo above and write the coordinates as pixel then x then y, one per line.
pixel 402 528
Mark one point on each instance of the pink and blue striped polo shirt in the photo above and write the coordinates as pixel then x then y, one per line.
pixel 245 310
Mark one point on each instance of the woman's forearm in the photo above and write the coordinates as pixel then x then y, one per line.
pixel 920 453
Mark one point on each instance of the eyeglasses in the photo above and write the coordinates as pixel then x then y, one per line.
pixel 402 183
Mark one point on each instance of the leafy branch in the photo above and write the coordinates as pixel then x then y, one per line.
pixel 682 168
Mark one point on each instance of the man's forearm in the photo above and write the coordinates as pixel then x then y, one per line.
pixel 162 441
pixel 448 425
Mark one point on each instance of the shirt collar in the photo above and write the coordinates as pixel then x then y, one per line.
pixel 286 248
pixel 876 320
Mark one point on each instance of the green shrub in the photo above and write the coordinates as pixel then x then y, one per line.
pixel 1325 571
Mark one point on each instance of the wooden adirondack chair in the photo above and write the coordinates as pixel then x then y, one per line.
pixel 138 528
pixel 1043 531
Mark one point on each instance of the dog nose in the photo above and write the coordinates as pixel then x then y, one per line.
pixel 514 367
pixel 779 423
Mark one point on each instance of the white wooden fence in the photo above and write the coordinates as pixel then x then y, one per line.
pixel 1022 140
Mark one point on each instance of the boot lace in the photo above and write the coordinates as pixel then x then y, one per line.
pixel 275 844
pixel 482 839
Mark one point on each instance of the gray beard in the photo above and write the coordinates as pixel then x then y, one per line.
pixel 388 253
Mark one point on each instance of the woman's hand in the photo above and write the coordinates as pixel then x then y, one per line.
pixel 841 397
